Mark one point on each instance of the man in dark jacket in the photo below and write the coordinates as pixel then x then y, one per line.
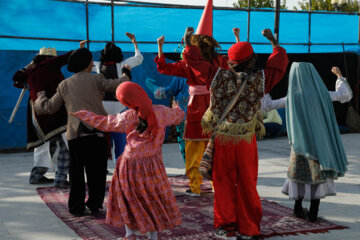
pixel 44 132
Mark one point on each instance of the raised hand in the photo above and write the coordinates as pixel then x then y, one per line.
pixel 268 34
pixel 161 40
pixel 336 71
pixel 82 43
pixel 131 36
pixel 189 31
pixel 236 32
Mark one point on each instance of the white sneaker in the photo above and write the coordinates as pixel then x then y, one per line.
pixel 192 194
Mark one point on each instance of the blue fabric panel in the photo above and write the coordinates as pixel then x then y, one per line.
pixel 328 28
pixel 39 18
pixel 65 20
pixel 225 21
pixel 294 28
pixel 258 22
pixel 100 22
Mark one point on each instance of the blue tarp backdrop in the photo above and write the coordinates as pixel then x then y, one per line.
pixel 66 20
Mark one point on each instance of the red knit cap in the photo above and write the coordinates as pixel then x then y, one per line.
pixel 240 52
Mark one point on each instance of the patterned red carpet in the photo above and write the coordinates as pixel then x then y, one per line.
pixel 197 216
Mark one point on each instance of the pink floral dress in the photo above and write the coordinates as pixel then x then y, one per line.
pixel 140 195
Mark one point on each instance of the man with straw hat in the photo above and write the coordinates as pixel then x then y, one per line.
pixel 44 133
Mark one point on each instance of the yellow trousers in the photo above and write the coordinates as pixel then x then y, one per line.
pixel 194 151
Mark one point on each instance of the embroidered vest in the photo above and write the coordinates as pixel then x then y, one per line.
pixel 245 118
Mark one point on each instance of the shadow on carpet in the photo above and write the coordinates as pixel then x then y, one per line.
pixel 197 216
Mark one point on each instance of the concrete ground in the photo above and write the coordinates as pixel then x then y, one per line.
pixel 24 216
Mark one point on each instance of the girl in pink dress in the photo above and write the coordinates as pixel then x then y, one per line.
pixel 140 196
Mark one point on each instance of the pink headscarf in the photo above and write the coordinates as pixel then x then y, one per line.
pixel 133 96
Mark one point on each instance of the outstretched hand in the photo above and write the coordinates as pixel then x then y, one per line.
pixel 336 71
pixel 189 31
pixel 131 36
pixel 175 104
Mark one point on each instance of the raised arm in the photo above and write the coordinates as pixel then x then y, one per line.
pixel 236 32
pixel 137 59
pixel 109 123
pixel 175 69
pixel 204 70
pixel 276 64
pixel 343 92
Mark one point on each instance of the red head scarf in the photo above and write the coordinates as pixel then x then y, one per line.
pixel 240 52
pixel 133 96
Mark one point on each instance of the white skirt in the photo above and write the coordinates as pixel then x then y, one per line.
pixel 309 191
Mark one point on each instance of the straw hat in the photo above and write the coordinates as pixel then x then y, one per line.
pixel 48 52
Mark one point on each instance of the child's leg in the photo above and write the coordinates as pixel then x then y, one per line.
pixel 314 209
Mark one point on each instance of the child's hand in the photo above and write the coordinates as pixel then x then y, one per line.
pixel 161 40
pixel 131 36
pixel 82 43
pixel 175 104
pixel 336 71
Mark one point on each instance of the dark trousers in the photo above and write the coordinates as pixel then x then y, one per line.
pixel 89 152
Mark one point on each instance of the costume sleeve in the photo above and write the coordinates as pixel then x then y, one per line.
pixel 202 69
pixel 61 60
pixel 343 92
pixel 267 104
pixel 172 116
pixel 110 85
pixel 96 67
pixel 131 61
pixel 109 123
pixel 275 68
pixel 175 69
pixel 44 105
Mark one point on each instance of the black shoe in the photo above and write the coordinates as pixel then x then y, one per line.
pixel 301 213
pixel 65 184
pixel 42 180
pixel 85 212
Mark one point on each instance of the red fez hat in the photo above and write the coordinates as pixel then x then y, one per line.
pixel 240 52
pixel 205 26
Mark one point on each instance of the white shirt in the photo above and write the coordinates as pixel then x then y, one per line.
pixel 342 93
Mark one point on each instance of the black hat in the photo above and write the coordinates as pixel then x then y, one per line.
pixel 79 60
pixel 111 52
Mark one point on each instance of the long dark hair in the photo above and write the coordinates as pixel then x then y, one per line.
pixel 207 46
pixel 142 126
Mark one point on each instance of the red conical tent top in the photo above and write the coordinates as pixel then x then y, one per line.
pixel 205 26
